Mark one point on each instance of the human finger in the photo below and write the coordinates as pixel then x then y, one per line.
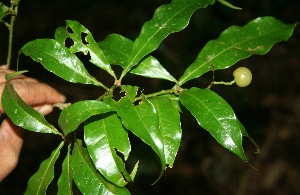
pixel 11 141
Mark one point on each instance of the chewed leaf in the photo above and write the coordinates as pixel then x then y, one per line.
pixel 84 42
pixel 58 59
pixel 216 116
pixel 104 136
pixel 238 42
pixel 23 115
pixel 117 50
pixel 166 20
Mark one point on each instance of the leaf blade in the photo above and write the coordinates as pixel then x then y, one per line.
pixel 86 177
pixel 23 115
pixel 64 183
pixel 72 116
pixel 40 181
pixel 103 137
pixel 236 43
pixel 117 49
pixel 216 116
pixel 167 19
pixel 85 43
pixel 169 124
pixel 58 59
pixel 142 120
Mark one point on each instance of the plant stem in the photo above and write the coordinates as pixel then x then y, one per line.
pixel 11 29
pixel 220 83
pixel 156 94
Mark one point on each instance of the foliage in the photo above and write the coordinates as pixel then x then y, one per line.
pixel 97 163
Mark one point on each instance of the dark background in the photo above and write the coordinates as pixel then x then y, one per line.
pixel 269 108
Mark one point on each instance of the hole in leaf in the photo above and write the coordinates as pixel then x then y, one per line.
pixel 69 42
pixel 83 38
pixel 69 30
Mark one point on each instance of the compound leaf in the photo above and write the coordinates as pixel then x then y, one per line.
pixel 40 181
pixel 238 42
pixel 84 42
pixel 104 136
pixel 215 115
pixel 86 177
pixel 167 19
pixel 71 117
pixel 23 115
pixel 58 59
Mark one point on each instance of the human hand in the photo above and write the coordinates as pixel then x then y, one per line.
pixel 36 94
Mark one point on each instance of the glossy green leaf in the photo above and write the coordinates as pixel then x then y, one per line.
pixel 245 134
pixel 238 42
pixel 71 117
pixel 117 49
pixel 169 125
pixel 58 59
pixel 143 121
pixel 23 115
pixel 40 181
pixel 103 138
pixel 84 42
pixel 64 183
pixel 4 10
pixel 167 19
pixel 87 178
pixel 216 116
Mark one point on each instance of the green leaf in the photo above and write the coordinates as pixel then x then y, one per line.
pixel 104 137
pixel 169 125
pixel 150 67
pixel 245 134
pixel 86 177
pixel 238 42
pixel 14 74
pixel 229 4
pixel 72 116
pixel 66 177
pixel 23 115
pixel 143 121
pixel 4 10
pixel 84 42
pixel 134 170
pixel 117 50
pixel 216 116
pixel 40 181
pixel 58 59
pixel 167 19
